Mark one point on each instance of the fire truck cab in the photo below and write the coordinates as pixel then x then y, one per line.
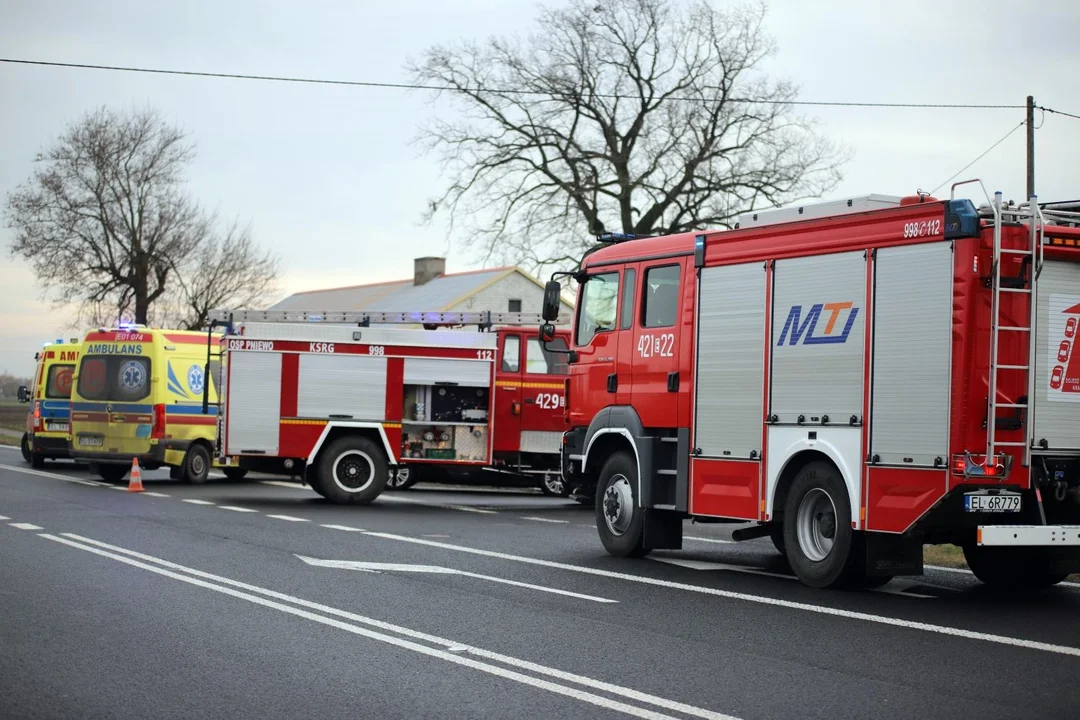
pixel 853 379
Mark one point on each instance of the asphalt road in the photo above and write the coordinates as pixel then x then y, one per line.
pixel 257 599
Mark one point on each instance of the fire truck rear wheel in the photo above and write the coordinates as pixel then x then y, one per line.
pixel 817 526
pixel 1010 568
pixel 619 520
pixel 24 445
pixel 196 464
pixel 235 473
pixel 353 470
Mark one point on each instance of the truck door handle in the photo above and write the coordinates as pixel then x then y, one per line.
pixel 530 401
pixel 612 382
pixel 673 381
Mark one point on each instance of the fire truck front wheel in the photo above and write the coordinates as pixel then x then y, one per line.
pixel 817 526
pixel 619 520
pixel 352 470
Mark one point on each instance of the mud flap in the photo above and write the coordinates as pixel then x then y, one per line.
pixel 889 555
pixel 662 529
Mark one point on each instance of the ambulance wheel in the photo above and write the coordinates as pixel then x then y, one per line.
pixel 552 484
pixel 24 445
pixel 113 473
pixel 353 470
pixel 196 464
pixel 402 477
pixel 619 520
pixel 235 473
pixel 817 526
pixel 1011 568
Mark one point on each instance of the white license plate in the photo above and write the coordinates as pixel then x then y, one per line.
pixel 58 427
pixel 91 441
pixel 992 503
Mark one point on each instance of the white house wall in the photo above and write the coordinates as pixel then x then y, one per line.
pixel 497 296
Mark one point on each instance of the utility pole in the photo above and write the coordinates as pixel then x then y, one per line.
pixel 1030 146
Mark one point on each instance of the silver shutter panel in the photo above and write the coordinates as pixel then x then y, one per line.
pixel 1057 410
pixel 254 405
pixel 912 349
pixel 818 351
pixel 730 352
pixel 428 371
pixel 353 386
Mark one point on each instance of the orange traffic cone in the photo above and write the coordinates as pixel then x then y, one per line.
pixel 135 484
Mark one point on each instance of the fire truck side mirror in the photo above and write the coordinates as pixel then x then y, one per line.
pixel 552 300
pixel 547 333
pixel 23 394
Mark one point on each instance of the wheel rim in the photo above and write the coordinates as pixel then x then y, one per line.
pixel 553 483
pixel 353 471
pixel 816 524
pixel 618 505
pixel 399 477
pixel 198 465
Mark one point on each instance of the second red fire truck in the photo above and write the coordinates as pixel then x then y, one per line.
pixel 341 399
pixel 855 379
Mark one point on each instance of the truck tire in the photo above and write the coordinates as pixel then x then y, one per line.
pixel 196 464
pixel 112 473
pixel 817 526
pixel 351 471
pixel 235 473
pixel 552 484
pixel 619 520
pixel 402 477
pixel 1010 568
pixel 24 445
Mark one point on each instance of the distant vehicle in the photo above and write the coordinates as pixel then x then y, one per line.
pixel 48 423
pixel 352 407
pixel 139 393
pixel 827 372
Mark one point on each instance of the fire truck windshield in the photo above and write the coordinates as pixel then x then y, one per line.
pixel 597 310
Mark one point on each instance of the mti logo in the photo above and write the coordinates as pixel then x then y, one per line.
pixel 799 328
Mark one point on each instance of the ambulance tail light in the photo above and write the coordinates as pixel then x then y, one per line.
pixel 157 430
pixel 37 414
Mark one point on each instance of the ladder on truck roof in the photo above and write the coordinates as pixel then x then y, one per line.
pixel 483 318
pixel 999 332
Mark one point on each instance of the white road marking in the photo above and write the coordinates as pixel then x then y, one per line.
pixel 4 517
pixel 290 518
pixel 344 528
pixel 444 651
pixel 25 526
pixel 547 520
pixel 196 501
pixel 237 509
pixel 155 494
pixel 54 476
pixel 290 485
pixel 437 570
pixel 893 588
pixel 709 540
pixel 437 536
pixel 759 599
pixel 462 508
pixel 118 487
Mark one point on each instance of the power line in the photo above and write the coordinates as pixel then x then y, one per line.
pixel 506 91
pixel 1057 112
pixel 984 154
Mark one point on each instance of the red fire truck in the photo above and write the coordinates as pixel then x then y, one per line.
pixel 347 402
pixel 854 379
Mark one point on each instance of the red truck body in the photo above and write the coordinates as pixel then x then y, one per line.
pixel 826 373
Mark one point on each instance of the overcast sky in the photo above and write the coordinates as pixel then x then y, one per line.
pixel 328 178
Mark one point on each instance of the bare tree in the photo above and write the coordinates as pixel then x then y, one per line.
pixel 630 116
pixel 230 271
pixel 107 226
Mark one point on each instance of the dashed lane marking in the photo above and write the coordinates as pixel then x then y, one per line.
pixel 547 520
pixel 343 528
pixel 289 518
pixel 156 494
pixel 237 509
pixel 196 501
pixel 25 526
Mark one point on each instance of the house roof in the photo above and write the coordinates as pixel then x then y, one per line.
pixel 440 293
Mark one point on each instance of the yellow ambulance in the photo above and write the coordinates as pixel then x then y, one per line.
pixel 139 393
pixel 48 423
